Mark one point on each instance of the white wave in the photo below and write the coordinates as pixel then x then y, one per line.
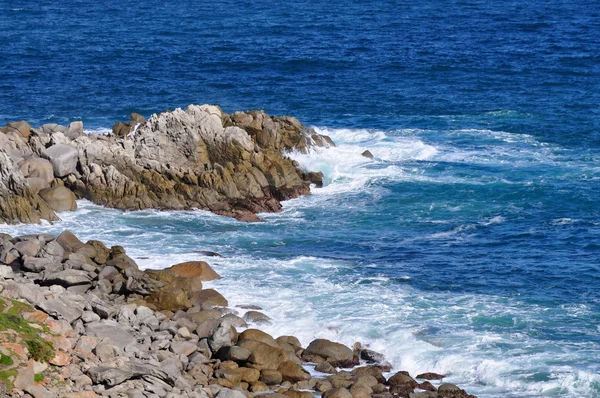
pixel 99 131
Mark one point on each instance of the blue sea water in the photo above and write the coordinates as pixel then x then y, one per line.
pixel 469 245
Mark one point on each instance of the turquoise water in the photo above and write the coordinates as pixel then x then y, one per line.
pixel 469 245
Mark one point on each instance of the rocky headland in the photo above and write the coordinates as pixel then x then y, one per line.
pixel 198 158
pixel 82 320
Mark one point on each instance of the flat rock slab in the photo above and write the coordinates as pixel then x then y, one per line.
pixel 118 335
pixel 68 277
pixel 59 309
pixel 113 376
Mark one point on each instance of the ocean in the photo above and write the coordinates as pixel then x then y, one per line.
pixel 469 245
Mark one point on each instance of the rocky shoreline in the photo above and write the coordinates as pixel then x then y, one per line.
pixel 198 158
pixel 82 320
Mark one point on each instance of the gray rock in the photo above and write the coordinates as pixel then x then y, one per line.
pixel 68 277
pixel 111 376
pixel 37 184
pixel 28 247
pixel 35 264
pixel 59 309
pixel 6 272
pixel 53 251
pixel 108 273
pixel 9 256
pixel 104 350
pixel 89 316
pixel 227 393
pixel 74 130
pixel 37 168
pixel 118 335
pixel 63 159
pixel 223 336
pixel 257 318
pixel 234 353
pixel 59 198
pixel 172 366
pixel 51 128
pixel 184 348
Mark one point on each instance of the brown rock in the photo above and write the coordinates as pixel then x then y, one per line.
pixel 194 269
pixel 60 359
pixel 402 378
pixel 430 376
pixel 325 367
pixel 258 387
pixel 69 242
pixel 258 335
pixel 292 372
pixel 208 298
pixel 337 393
pixel 367 154
pixel 171 300
pixel 427 386
pixel 290 340
pixel 263 355
pixel 59 198
pixel 360 391
pixel 22 128
pixel 298 394
pixel 270 377
pixel 249 375
pixel 335 353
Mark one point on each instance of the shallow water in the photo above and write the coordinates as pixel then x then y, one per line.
pixel 469 245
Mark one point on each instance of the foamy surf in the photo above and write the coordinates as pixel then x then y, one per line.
pixel 493 346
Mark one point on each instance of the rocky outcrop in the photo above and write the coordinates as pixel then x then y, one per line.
pixel 198 158
pixel 18 203
pixel 84 323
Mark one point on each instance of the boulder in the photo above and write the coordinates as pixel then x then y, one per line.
pixel 335 353
pixel 227 393
pixel 68 277
pixel 63 158
pixel 367 154
pixel 59 198
pixel 22 128
pixel 59 309
pixel 37 167
pixel 402 378
pixel 69 241
pixel 263 355
pixel 112 376
pixel 18 203
pixel 52 128
pixel 270 377
pixel 430 376
pixel 194 269
pixel 234 353
pixel 449 390
pixel 337 393
pixel 30 247
pixel 223 336
pixel 259 335
pixel 257 318
pixel 292 372
pixel 74 130
pixel 37 184
pixel 208 298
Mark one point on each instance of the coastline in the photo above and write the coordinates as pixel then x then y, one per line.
pixel 93 292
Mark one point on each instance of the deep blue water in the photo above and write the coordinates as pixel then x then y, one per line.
pixel 469 245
